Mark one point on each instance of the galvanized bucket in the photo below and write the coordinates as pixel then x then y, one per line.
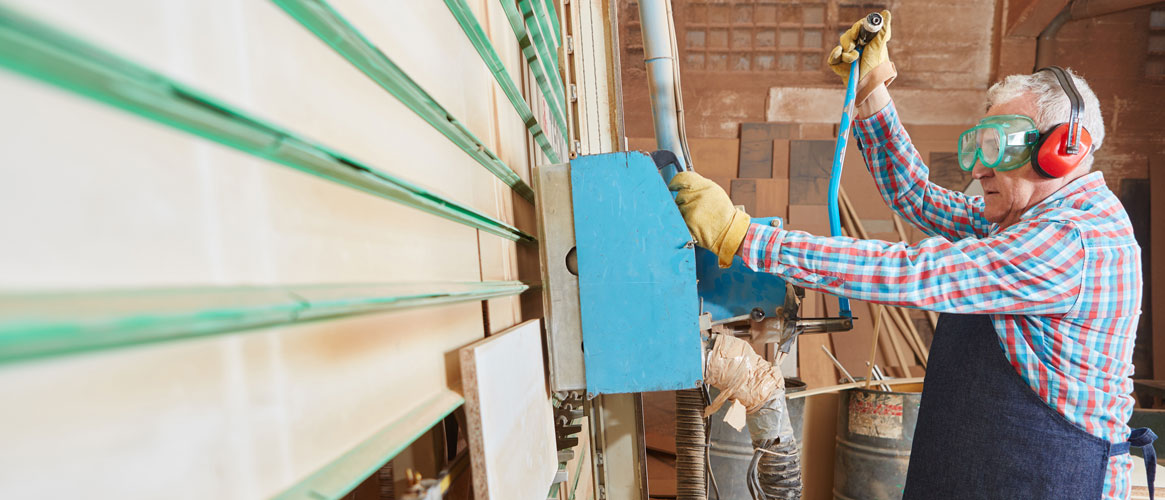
pixel 731 450
pixel 875 430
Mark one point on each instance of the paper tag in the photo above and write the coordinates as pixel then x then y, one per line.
pixel 735 415
pixel 876 414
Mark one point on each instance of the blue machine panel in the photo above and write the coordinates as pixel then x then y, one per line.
pixel 727 293
pixel 636 278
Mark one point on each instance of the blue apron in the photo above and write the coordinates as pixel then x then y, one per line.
pixel 984 433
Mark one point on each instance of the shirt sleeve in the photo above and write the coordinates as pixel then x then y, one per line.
pixel 1034 267
pixel 904 181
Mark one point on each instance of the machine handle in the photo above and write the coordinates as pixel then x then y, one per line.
pixel 664 158
pixel 871 26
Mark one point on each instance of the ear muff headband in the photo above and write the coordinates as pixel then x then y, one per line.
pixel 1063 147
pixel 1077 105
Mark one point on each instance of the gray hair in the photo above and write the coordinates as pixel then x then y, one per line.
pixel 1052 104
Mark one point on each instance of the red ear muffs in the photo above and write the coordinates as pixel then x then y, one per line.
pixel 1052 158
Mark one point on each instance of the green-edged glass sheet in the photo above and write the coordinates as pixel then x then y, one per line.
pixel 334 30
pixel 43 52
pixel 548 83
pixel 36 325
pixel 489 55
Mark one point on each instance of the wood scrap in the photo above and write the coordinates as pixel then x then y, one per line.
pixel 841 387
pixel 509 414
pixel 899 318
pixel 874 346
pixel 893 334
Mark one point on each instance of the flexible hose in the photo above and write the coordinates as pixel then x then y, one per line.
pixel 690 445
pixel 777 470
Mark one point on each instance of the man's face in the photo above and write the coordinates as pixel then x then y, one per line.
pixel 1010 193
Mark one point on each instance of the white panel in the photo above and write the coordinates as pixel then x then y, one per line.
pixel 94 197
pixel 239 417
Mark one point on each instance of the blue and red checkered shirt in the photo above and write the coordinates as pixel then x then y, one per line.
pixel 1062 286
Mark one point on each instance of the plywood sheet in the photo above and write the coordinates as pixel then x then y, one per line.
pixel 714 157
pixel 756 159
pixel 817 451
pixel 744 194
pixel 511 423
pixel 810 162
pixel 780 158
pixel 772 198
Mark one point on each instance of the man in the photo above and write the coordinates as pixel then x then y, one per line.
pixel 1027 393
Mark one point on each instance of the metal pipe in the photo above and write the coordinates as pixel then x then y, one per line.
pixel 1045 43
pixel 661 69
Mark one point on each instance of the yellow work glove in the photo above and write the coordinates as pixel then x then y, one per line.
pixel 712 219
pixel 875 67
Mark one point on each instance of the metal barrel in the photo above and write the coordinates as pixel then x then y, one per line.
pixel 731 450
pixel 875 430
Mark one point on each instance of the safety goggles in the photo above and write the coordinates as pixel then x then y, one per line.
pixel 1002 142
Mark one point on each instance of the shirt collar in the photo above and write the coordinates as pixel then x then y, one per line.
pixel 1077 187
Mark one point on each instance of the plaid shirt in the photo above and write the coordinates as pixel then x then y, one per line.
pixel 1062 286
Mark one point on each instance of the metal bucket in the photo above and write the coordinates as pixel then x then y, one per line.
pixel 875 430
pixel 731 450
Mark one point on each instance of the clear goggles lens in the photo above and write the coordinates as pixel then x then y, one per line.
pixel 1002 142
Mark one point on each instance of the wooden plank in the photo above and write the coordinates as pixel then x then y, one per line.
pixel 810 162
pixel 820 436
pixel 768 131
pixel 645 144
pixel 715 157
pixel 509 414
pixel 744 193
pixel 659 421
pixel 772 198
pixel 780 158
pixel 661 475
pixel 756 159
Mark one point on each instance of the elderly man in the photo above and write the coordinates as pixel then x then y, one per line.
pixel 1027 394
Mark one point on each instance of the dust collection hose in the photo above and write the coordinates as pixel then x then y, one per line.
pixel 741 374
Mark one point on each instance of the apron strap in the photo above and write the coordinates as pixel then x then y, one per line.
pixel 1142 438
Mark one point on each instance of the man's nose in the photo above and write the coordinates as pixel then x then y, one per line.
pixel 979 171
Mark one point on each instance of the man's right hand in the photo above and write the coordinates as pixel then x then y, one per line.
pixel 875 67
pixel 711 218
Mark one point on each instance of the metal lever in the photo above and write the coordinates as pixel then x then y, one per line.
pixel 871 25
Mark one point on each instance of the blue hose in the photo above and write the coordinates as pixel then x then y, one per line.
pixel 838 160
